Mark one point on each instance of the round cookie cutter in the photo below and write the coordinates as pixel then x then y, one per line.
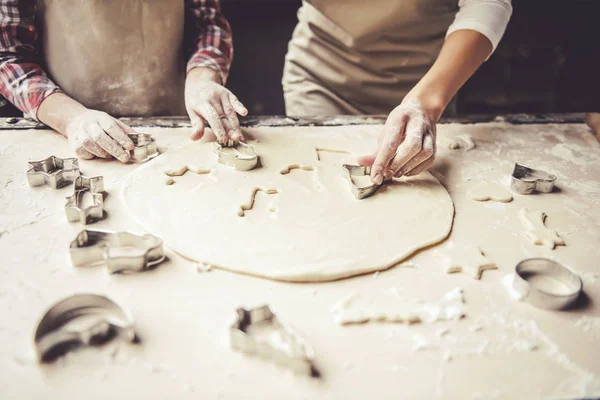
pixel 534 275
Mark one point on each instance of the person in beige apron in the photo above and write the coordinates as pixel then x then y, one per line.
pixel 405 58
pixel 119 58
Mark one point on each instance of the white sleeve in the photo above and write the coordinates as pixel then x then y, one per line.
pixel 488 17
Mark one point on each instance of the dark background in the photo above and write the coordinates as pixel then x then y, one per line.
pixel 548 60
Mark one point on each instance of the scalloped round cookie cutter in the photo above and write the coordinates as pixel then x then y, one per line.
pixel 546 284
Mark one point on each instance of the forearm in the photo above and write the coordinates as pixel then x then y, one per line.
pixel 461 55
pixel 57 110
pixel 203 74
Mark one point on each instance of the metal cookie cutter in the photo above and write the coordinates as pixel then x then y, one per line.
pixel 546 284
pixel 245 159
pixel 75 209
pixel 526 180
pixel 358 191
pixel 259 331
pixel 145 147
pixel 53 171
pixel 94 184
pixel 120 251
pixel 82 319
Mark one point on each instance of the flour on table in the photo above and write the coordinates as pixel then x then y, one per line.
pixel 388 306
pixel 468 259
pixel 487 191
pixel 462 142
pixel 309 235
pixel 536 230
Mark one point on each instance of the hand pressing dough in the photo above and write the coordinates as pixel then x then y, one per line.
pixel 536 231
pixel 468 259
pixel 309 236
pixel 389 306
pixel 486 191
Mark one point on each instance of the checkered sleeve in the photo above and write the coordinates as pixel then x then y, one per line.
pixel 22 80
pixel 209 37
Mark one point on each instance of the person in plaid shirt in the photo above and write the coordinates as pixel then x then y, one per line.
pixel 76 65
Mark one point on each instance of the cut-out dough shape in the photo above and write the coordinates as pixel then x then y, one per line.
pixel 462 142
pixel 486 191
pixel 170 172
pixel 536 230
pixel 388 306
pixel 468 259
pixel 319 150
pixel 289 168
pixel 248 206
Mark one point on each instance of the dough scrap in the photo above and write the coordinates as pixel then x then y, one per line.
pixel 468 259
pixel 536 230
pixel 486 191
pixel 462 142
pixel 314 235
pixel 389 306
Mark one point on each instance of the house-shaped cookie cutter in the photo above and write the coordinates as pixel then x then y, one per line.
pixel 529 291
pixel 525 180
pixel 119 251
pixel 258 331
pixel 145 147
pixel 82 319
pixel 53 171
pixel 360 192
pixel 243 158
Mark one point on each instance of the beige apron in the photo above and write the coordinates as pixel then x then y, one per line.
pixel 123 57
pixel 359 56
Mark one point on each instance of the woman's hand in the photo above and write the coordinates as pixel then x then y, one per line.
pixel 406 145
pixel 206 99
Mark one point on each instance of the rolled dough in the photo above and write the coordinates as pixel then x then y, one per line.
pixel 308 227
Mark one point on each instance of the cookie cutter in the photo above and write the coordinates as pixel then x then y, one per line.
pixel 94 184
pixel 259 331
pixel 81 319
pixel 525 180
pixel 84 215
pixel 534 276
pixel 119 251
pixel 245 160
pixel 359 192
pixel 53 171
pixel 145 147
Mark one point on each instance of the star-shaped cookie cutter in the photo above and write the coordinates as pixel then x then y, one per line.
pixel 53 171
pixel 119 251
pixel 259 331
pixel 360 192
pixel 82 319
pixel 245 159
pixel 525 180
pixel 145 147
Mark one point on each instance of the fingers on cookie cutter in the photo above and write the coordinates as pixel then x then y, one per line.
pixel 53 171
pixel 82 319
pixel 121 252
pixel 145 147
pixel 546 284
pixel 360 192
pixel 525 180
pixel 258 331
pixel 82 210
pixel 242 157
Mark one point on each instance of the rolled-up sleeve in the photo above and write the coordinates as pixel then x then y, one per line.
pixel 488 17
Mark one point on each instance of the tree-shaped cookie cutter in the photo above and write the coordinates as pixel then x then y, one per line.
pixel 525 180
pixel 258 331
pixel 119 251
pixel 145 147
pixel 53 171
pixel 81 187
pixel 242 158
pixel 82 319
pixel 360 192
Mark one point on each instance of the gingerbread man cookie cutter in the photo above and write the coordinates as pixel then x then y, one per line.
pixel 53 171
pixel 242 158
pixel 360 192
pixel 82 319
pixel 525 180
pixel 119 251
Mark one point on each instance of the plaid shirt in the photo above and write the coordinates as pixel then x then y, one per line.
pixel 26 85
